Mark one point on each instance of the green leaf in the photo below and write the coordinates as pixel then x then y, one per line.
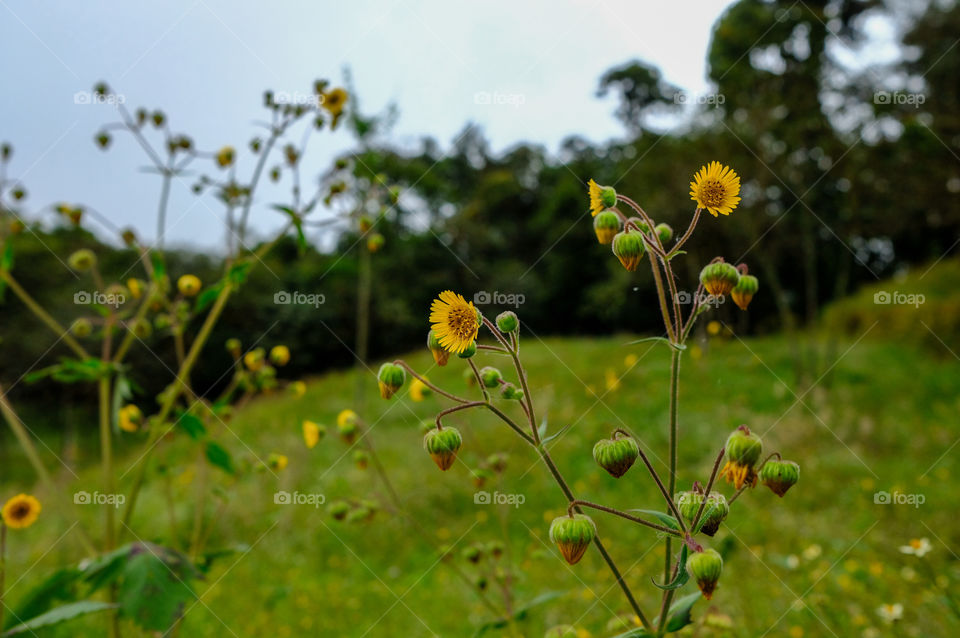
pixel 556 434
pixel 192 425
pixel 218 455
pixel 542 430
pixel 154 589
pixel 297 222
pixel 522 612
pixel 159 267
pixel 238 273
pixel 73 371
pixel 6 262
pixel 58 586
pixel 207 297
pixel 6 265
pixel 682 575
pixel 663 340
pixel 59 615
pixel 663 517
pixel 679 616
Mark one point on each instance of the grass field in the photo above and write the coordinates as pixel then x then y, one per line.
pixel 818 562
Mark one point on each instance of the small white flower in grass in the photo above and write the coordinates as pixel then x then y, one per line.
pixel 890 613
pixel 918 547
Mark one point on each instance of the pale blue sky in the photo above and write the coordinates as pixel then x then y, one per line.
pixel 206 63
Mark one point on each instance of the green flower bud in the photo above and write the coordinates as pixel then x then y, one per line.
pixel 129 237
pixel 440 354
pixel 779 475
pixel 360 515
pixel 361 459
pixel 573 534
pixel 473 553
pixel 348 430
pixel 606 225
pixel 497 462
pixel 390 378
pixel 664 232
pixel 507 321
pixel 234 347
pixel 426 425
pixel 617 454
pixel 495 548
pixel 628 248
pixel 509 391
pixel 744 291
pixel 714 512
pixel 82 260
pixel 142 328
pixel 469 378
pixel 743 451
pixel 469 351
pixel 481 476
pixel 375 242
pixel 705 568
pixel 490 376
pixel 81 328
pixel 443 445
pixel 339 509
pixel 719 278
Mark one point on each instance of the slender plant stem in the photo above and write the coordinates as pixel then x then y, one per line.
pixel 3 570
pixel 43 315
pixel 106 460
pixel 403 364
pixel 26 442
pixel 672 482
pixel 457 408
pixel 162 208
pixel 516 428
pixel 476 375
pixel 622 514
pixel 671 506
pixel 686 235
pixel 596 541
pixel 737 495
pixel 172 396
pixel 706 493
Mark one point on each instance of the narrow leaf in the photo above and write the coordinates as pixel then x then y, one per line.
pixel 59 615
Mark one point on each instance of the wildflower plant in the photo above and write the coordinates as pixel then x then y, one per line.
pixel 685 520
pixel 177 307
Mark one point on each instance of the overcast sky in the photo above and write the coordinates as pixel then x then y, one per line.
pixel 207 62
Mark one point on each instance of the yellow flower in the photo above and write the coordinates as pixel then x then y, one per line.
pixel 334 100
pixel 346 417
pixel 277 461
pixel 225 156
pixel 601 197
pixel 130 418
pixel 454 321
pixel 135 286
pixel 298 389
pixel 253 359
pixel 311 434
pixel 596 205
pixel 189 285
pixel 716 188
pixel 280 355
pixel 419 390
pixel 21 511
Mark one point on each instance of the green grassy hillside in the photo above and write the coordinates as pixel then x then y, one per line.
pixel 826 543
